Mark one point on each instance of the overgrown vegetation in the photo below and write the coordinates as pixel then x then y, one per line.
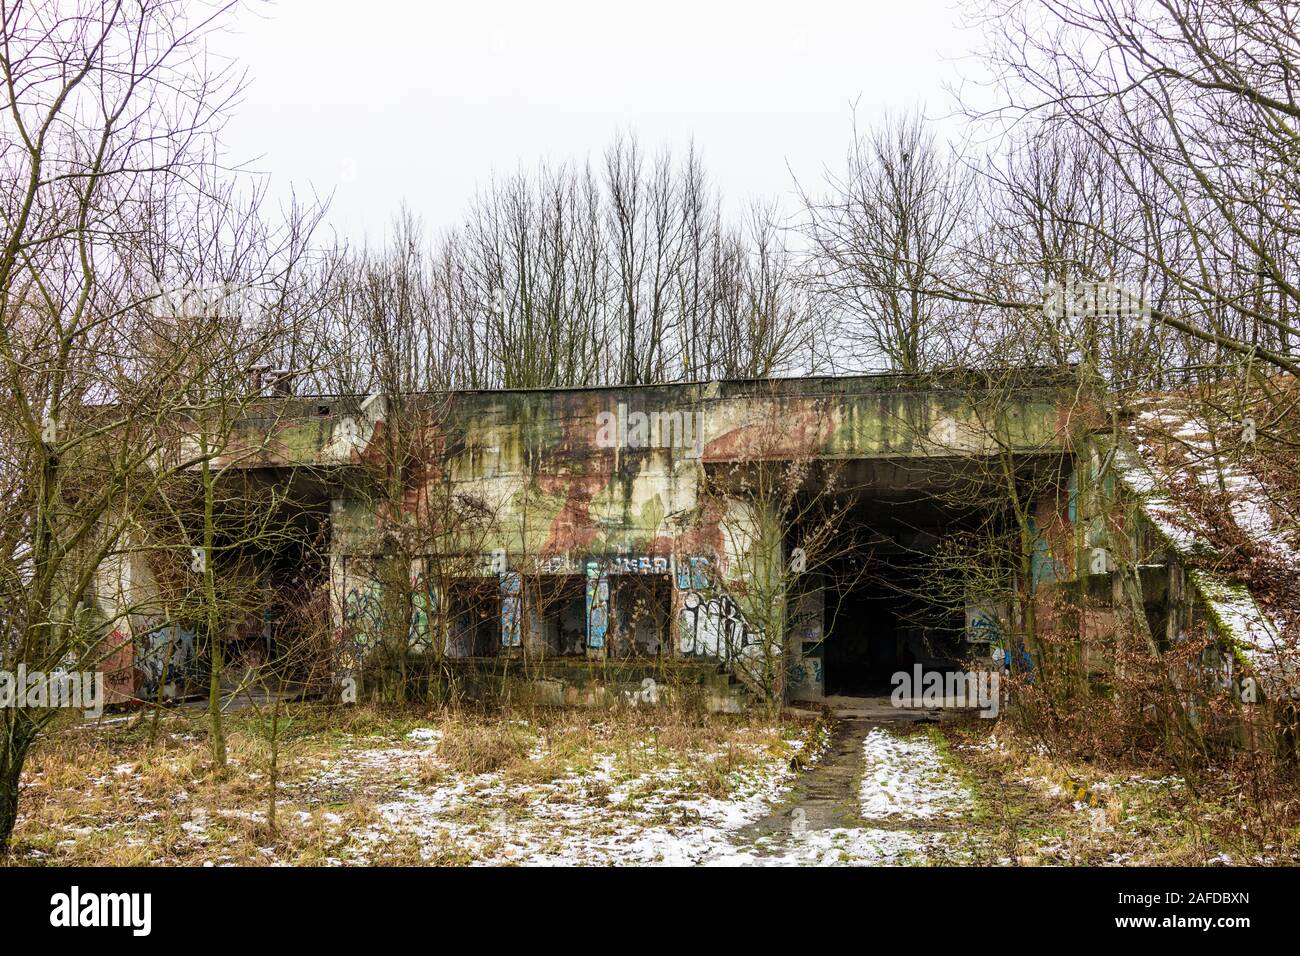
pixel 1057 805
pixel 152 305
pixel 391 785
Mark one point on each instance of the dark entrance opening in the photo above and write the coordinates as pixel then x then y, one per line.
pixel 271 583
pixel 558 614
pixel 889 602
pixel 882 622
pixel 474 611
pixel 641 612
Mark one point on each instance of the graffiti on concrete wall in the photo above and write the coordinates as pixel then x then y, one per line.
pixel 597 605
pixel 807 680
pixel 364 616
pixel 692 573
pixel 645 564
pixel 424 610
pixel 984 623
pixel 607 564
pixel 512 587
pixel 711 623
pixel 165 658
pixel 713 626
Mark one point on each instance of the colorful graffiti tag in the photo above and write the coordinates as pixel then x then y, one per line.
pixel 597 605
pixel 710 622
pixel 164 657
pixel 713 626
pixel 364 616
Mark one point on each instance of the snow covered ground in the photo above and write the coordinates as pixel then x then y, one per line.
pixel 907 778
pixel 905 784
pixel 563 788
pixel 602 814
pixel 566 791
pixel 605 814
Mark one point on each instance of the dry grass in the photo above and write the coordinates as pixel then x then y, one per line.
pixel 1039 808
pixel 477 746
pixel 114 797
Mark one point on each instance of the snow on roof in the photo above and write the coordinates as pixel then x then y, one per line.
pixel 1166 442
pixel 1162 427
pixel 1171 522
pixel 1252 630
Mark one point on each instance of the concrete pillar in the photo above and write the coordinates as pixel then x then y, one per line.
pixel 1174 600
pixel 597 609
pixel 512 607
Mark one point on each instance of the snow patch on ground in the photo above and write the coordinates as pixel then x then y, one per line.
pixel 837 846
pixel 907 778
pixel 906 795
pixel 595 815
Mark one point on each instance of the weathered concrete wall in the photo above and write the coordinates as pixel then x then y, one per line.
pixel 866 416
pixel 609 482
pixel 609 486
pixel 613 471
pixel 606 486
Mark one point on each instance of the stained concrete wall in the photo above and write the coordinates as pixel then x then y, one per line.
pixel 611 481
pixel 604 484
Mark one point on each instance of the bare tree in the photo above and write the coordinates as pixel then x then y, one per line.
pixel 786 527
pixel 1189 104
pixel 112 108
pixel 886 233
pixel 566 276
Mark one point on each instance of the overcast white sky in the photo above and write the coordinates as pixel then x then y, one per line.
pixel 380 101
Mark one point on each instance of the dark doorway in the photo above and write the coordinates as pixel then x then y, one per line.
pixel 641 612
pixel 893 596
pixel 474 611
pixel 558 614
pixel 882 619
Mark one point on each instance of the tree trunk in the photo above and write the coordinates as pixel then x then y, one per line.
pixel 20 732
pixel 217 732
pixel 275 759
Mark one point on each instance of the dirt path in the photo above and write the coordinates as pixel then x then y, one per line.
pixel 880 794
pixel 827 796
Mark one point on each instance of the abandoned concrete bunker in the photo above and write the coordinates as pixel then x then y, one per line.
pixel 792 538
